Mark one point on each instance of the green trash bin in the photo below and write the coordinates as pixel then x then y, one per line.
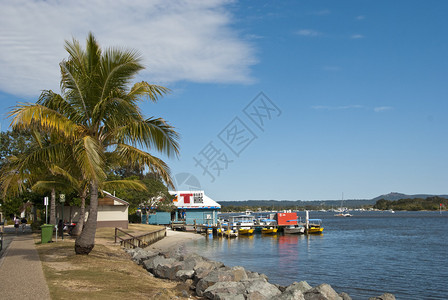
pixel 47 233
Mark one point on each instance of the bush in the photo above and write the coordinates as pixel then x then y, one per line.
pixel 35 226
pixel 135 218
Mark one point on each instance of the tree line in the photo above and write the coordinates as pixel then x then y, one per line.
pixel 415 204
pixel 76 140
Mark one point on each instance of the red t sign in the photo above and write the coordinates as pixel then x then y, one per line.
pixel 187 197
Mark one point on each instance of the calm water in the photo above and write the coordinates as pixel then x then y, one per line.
pixel 405 253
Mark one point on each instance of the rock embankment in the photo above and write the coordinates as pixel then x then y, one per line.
pixel 213 280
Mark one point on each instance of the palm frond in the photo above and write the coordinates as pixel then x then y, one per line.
pixel 43 186
pixel 151 91
pixel 88 155
pixel 151 134
pixel 36 116
pixel 118 68
pixel 57 170
pixel 133 156
pixel 136 185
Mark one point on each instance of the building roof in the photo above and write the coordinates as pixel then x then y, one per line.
pixel 116 200
pixel 193 200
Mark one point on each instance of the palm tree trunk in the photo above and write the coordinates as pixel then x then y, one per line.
pixel 53 207
pixel 82 214
pixel 86 241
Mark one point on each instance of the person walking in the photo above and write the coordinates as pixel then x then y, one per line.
pixel 23 221
pixel 61 229
pixel 16 223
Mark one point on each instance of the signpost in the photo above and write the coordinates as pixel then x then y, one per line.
pixel 62 200
pixel 46 209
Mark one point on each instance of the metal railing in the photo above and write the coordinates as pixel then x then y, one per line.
pixel 140 241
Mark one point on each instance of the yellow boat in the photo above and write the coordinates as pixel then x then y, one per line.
pixel 315 226
pixel 227 233
pixel 245 223
pixel 313 229
pixel 269 230
pixel 246 231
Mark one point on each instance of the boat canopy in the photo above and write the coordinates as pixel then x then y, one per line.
pixel 269 220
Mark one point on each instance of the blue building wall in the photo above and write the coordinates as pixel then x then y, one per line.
pixel 160 218
pixel 201 216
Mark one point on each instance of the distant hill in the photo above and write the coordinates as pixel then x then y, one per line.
pixel 299 203
pixel 397 196
pixel 317 204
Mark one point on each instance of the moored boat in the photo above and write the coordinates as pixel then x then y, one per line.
pixel 343 214
pixel 246 231
pixel 269 230
pixel 294 229
pixel 315 226
pixel 245 224
pixel 228 232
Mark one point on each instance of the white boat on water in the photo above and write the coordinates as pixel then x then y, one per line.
pixel 294 229
pixel 245 223
pixel 343 212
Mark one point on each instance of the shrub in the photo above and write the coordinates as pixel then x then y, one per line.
pixel 135 218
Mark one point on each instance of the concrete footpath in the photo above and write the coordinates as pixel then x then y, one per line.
pixel 21 274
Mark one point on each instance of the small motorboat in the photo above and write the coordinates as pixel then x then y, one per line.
pixel 245 224
pixel 246 231
pixel 315 226
pixel 343 214
pixel 231 233
pixel 269 230
pixel 294 229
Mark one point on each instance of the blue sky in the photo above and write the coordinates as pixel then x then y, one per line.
pixel 354 93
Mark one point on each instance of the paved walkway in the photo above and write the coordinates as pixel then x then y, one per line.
pixel 21 274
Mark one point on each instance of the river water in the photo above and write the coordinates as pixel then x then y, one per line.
pixel 405 253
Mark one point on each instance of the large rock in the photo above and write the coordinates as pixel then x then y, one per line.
pixel 202 270
pixel 260 289
pixel 219 275
pixel 295 291
pixel 183 275
pixel 168 268
pixel 322 292
pixel 151 263
pixel 225 290
pixel 198 263
pixel 140 255
pixel 175 253
pixel 207 264
pixel 302 286
pixel 229 297
pixel 256 275
pixel 385 296
pixel 291 295
pixel 345 296
pixel 191 260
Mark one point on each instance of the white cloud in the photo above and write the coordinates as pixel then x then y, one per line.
pixel 356 36
pixel 342 107
pixel 360 18
pixel 382 108
pixel 180 40
pixel 354 106
pixel 308 32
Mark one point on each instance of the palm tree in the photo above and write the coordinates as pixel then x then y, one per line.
pixel 98 117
